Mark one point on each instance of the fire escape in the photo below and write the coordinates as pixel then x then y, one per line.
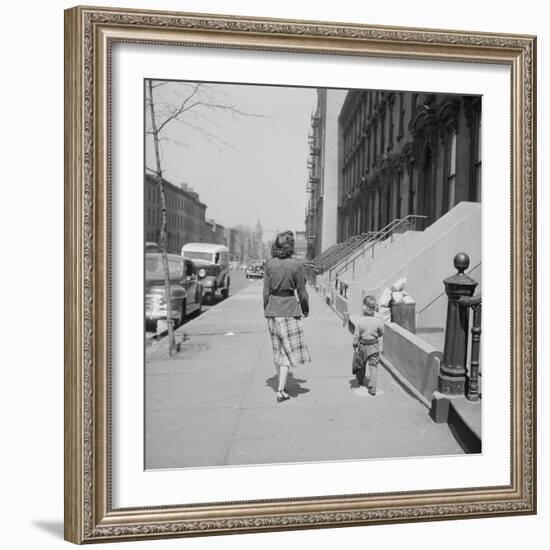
pixel 313 185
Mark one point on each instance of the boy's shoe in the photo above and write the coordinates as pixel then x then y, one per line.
pixel 372 391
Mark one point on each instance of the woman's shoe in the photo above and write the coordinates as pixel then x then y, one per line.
pixel 282 396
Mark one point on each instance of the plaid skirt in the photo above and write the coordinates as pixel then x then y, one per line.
pixel 288 341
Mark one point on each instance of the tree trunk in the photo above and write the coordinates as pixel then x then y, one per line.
pixel 163 230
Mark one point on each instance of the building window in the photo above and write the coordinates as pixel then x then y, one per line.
pixel 411 209
pixel 390 129
pixel 388 204
pixel 382 133
pixel 374 145
pixel 414 100
pixel 379 210
pixel 368 152
pixel 401 115
pixel 345 144
pixel 399 193
pixel 370 210
pixel 451 168
pixel 346 180
pixel 477 157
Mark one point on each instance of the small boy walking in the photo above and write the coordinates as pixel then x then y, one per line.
pixel 368 331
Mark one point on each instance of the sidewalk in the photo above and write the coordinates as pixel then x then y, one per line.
pixel 215 403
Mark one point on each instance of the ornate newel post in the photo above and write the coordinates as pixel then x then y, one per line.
pixel 452 373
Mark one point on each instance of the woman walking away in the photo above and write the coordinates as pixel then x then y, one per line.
pixel 285 302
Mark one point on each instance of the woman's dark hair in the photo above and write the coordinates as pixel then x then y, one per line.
pixel 283 247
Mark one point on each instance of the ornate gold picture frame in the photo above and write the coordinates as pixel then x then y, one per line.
pixel 90 35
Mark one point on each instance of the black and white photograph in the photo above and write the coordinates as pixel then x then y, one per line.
pixel 277 234
pixel 313 274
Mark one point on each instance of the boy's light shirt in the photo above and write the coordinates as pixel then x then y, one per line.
pixel 368 327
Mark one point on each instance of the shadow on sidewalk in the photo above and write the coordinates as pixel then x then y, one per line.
pixel 293 385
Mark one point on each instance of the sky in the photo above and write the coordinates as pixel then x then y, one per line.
pixel 248 163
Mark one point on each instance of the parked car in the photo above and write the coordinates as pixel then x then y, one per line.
pixel 255 270
pixel 151 246
pixel 186 291
pixel 212 261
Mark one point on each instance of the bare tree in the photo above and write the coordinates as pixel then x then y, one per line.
pixel 192 105
pixel 163 224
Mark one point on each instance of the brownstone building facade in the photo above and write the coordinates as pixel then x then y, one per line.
pixel 405 153
pixel 213 233
pixel 185 214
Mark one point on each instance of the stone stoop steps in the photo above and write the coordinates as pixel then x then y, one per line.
pixel 425 262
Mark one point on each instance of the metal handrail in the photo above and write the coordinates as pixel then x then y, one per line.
pixel 318 259
pixel 334 249
pixel 323 258
pixel 355 242
pixel 383 234
pixel 345 257
pixel 472 390
pixel 376 237
pixel 443 293
pixel 334 255
pixel 329 251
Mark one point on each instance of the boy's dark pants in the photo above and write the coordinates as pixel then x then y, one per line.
pixel 366 355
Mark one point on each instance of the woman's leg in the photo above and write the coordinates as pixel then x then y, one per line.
pixel 283 373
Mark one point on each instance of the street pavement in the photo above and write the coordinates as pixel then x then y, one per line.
pixel 214 404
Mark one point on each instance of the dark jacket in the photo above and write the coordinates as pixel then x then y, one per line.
pixel 285 293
